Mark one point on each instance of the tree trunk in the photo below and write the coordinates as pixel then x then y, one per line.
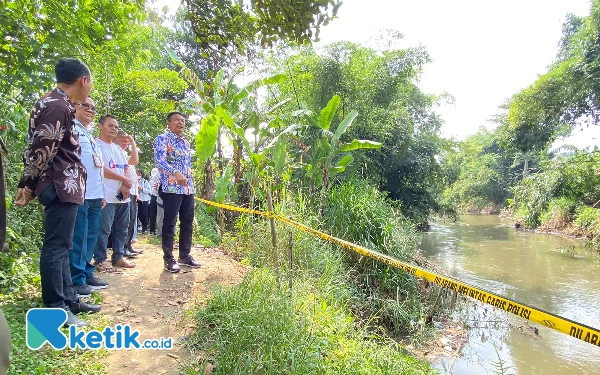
pixel 526 167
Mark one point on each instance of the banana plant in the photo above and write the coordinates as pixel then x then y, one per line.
pixel 329 155
pixel 227 110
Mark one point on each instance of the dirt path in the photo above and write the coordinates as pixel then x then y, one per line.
pixel 153 302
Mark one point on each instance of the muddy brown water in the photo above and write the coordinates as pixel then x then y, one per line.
pixel 554 273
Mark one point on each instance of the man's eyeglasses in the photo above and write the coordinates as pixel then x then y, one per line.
pixel 88 107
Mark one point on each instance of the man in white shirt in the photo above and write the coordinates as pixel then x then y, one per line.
pixel 87 222
pixel 115 216
pixel 126 141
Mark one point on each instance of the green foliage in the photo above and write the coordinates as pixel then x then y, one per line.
pixel 475 172
pixel 559 214
pixel 223 184
pixel 326 147
pixel 223 26
pixel 206 138
pixel 381 86
pixel 574 178
pixel 35 33
pixel 588 220
pixel 566 96
pixel 356 211
pixel 258 327
pixel 141 101
pixel 205 230
pixel 376 223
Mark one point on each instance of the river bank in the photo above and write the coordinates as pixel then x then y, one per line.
pixel 583 226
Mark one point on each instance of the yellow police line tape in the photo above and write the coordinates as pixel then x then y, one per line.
pixel 569 327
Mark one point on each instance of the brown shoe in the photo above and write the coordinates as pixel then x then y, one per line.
pixel 105 266
pixel 124 263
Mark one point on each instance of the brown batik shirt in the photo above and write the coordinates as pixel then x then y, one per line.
pixel 53 154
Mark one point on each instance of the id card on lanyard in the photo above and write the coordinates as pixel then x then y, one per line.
pixel 97 161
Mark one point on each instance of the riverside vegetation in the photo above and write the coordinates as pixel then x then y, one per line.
pixel 341 137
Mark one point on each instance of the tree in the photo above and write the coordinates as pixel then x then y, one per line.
pixel 566 96
pixel 141 101
pixel 223 25
pixel 381 87
pixel 476 172
pixel 36 33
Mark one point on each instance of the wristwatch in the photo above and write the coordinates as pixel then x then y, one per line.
pixel 176 171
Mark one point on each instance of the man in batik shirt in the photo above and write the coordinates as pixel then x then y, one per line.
pixel 54 173
pixel 174 162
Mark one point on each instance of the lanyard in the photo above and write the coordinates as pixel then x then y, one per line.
pixel 88 136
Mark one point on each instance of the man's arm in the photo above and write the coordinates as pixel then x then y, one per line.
pixel 134 158
pixel 44 144
pixel 108 173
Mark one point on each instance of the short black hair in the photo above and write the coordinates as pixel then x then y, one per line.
pixel 69 70
pixel 171 114
pixel 103 118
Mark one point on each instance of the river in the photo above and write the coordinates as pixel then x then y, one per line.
pixel 554 273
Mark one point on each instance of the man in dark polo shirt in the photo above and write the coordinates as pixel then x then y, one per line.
pixel 55 174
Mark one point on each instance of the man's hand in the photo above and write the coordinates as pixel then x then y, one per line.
pixel 24 195
pixel 180 178
pixel 103 204
pixel 126 182
pixel 130 140
pixel 125 190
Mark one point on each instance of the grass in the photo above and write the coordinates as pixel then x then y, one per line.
pixel 342 309
pixel 262 328
pixel 47 360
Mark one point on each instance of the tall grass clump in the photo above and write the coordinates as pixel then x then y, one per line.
pixel 356 211
pixel 260 327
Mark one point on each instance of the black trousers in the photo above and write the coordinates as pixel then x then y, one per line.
pixel 183 206
pixel 143 214
pixel 55 273
pixel 132 221
pixel 152 211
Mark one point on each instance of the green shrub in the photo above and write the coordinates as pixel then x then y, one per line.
pixel 205 228
pixel 588 219
pixel 559 214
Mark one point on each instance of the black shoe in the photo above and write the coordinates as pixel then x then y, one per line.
pixel 171 266
pixel 83 290
pixel 72 320
pixel 189 262
pixel 129 254
pixel 96 283
pixel 136 252
pixel 82 307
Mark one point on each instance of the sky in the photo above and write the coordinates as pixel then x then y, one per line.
pixel 482 52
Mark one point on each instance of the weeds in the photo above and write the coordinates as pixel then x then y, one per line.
pixel 259 328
